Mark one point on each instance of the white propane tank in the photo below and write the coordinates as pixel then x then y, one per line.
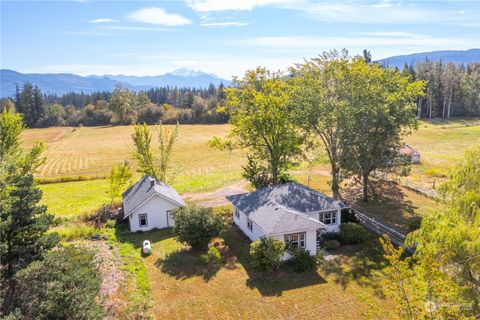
pixel 147 248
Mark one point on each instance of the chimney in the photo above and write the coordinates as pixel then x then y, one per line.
pixel 152 182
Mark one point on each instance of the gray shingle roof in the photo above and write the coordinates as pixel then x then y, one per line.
pixel 274 219
pixel 290 195
pixel 143 189
pixel 282 208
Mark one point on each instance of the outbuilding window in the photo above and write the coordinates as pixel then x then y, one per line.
pixel 328 217
pixel 295 241
pixel 237 213
pixel 142 220
pixel 249 224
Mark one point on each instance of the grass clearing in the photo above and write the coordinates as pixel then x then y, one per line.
pixel 347 287
pixel 441 143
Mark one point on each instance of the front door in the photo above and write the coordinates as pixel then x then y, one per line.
pixel 170 221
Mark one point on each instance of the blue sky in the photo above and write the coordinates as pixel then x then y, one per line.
pixel 225 37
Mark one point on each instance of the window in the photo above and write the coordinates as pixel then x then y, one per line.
pixel 249 224
pixel 237 213
pixel 142 218
pixel 295 240
pixel 328 217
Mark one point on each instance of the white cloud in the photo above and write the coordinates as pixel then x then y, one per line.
pixel 103 20
pixel 158 16
pixel 223 24
pixel 130 28
pixel 225 5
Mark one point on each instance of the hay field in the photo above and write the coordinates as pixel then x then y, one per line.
pixel 88 151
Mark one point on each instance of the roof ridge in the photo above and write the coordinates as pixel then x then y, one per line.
pixel 291 210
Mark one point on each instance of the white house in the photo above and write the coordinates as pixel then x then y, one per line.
pixel 290 212
pixel 148 204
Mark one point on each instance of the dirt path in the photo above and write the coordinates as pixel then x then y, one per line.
pixel 217 198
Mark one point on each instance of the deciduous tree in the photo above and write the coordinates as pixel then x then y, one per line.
pixel 262 123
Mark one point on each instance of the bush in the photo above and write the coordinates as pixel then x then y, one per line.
pixel 212 257
pixel 349 216
pixel 266 254
pixel 196 226
pixel 352 233
pixel 332 244
pixel 302 260
pixel 414 224
pixel 65 285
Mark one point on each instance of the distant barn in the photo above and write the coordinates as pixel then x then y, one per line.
pixel 411 153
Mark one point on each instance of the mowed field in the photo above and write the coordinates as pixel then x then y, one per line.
pixel 91 151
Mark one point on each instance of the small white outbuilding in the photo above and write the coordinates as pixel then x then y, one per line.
pixel 148 204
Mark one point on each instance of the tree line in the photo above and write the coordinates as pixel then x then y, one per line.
pixel 120 107
pixel 452 90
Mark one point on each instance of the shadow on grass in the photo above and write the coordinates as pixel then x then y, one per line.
pixel 388 202
pixel 268 284
pixel 186 263
pixel 360 263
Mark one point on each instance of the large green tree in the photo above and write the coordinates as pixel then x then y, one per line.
pixel 24 222
pixel 442 279
pixel 452 234
pixel 29 102
pixel 263 125
pixel 382 110
pixel 320 88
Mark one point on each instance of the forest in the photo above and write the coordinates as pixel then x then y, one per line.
pixel 120 107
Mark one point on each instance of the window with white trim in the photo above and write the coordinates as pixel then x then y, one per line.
pixel 249 224
pixel 142 220
pixel 237 213
pixel 295 241
pixel 329 217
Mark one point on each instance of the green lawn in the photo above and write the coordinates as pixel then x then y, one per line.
pixel 183 288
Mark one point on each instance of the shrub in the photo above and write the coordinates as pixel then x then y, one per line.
pixel 349 216
pixel 212 257
pixel 196 226
pixel 414 224
pixel 332 244
pixel 266 254
pixel 65 285
pixel 352 233
pixel 319 258
pixel 302 260
pixel 330 236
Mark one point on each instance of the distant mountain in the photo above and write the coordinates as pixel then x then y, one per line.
pixel 60 83
pixel 179 78
pixel 455 56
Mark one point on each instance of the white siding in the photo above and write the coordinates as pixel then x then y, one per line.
pixel 332 227
pixel 310 245
pixel 241 222
pixel 256 233
pixel 156 209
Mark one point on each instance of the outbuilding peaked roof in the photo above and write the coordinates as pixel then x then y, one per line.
pixel 289 195
pixel 273 218
pixel 144 189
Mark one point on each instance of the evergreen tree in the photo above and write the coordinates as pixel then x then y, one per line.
pixel 24 222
